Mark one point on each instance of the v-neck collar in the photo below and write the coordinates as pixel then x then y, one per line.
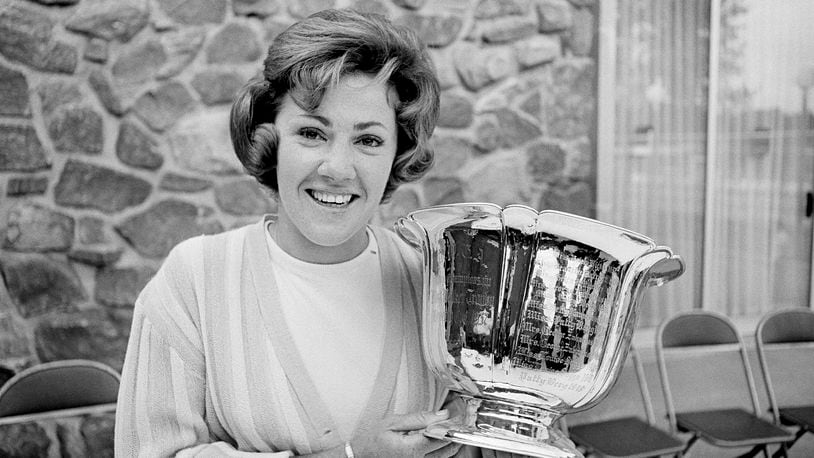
pixel 380 399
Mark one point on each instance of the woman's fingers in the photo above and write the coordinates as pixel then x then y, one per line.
pixel 417 420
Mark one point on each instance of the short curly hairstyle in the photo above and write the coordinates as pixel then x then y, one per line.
pixel 310 57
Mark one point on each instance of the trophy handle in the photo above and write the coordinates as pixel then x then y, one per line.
pixel 665 270
pixel 410 231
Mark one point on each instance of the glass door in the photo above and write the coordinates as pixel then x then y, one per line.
pixel 706 144
pixel 758 231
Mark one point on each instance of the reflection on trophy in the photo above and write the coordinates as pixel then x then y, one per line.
pixel 527 315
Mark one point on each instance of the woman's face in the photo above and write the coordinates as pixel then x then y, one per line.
pixel 332 168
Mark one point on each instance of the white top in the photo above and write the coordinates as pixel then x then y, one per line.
pixel 321 309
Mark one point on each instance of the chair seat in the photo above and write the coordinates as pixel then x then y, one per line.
pixel 801 416
pixel 615 437
pixel 731 427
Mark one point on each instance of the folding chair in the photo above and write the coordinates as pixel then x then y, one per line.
pixel 785 347
pixel 58 389
pixel 708 384
pixel 621 435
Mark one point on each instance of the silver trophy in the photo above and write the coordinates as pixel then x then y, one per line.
pixel 527 316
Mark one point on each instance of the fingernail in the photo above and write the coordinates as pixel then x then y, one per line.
pixel 442 413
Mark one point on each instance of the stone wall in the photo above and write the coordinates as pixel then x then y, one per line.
pixel 114 142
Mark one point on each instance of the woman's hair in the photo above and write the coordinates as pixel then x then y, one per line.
pixel 310 57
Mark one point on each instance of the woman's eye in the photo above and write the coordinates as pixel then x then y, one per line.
pixel 370 141
pixel 310 133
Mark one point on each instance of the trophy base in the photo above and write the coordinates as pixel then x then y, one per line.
pixel 506 426
pixel 556 446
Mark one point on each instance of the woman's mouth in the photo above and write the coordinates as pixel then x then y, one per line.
pixel 331 199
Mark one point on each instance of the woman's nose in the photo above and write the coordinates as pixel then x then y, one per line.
pixel 338 164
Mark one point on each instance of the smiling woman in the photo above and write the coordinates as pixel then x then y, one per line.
pixel 333 166
pixel 297 335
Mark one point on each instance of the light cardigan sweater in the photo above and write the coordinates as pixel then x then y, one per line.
pixel 211 368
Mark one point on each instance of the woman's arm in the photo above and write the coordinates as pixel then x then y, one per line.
pixel 162 397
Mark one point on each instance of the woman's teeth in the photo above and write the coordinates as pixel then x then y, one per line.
pixel 330 198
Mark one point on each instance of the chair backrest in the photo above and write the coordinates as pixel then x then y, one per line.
pixel 59 385
pixel 785 345
pixel 629 396
pixel 703 364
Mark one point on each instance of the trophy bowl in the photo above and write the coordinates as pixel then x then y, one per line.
pixel 527 316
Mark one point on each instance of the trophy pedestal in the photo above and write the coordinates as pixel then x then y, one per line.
pixel 506 426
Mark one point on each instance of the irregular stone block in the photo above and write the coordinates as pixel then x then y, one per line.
pixel 71 443
pixel 456 111
pixel 450 153
pixel 24 439
pixel 580 163
pixel 500 178
pixel 14 339
pixel 90 230
pixel 244 197
pixel 571 110
pixel 511 129
pixel 537 50
pixel 101 82
pixel 532 104
pixel 234 43
pixel 546 161
pixel 479 67
pixel 181 47
pixel 580 39
pixel 56 2
pixel 121 287
pixel 201 143
pixel 22 186
pixel 304 8
pixel 77 129
pixel 97 257
pixel 577 198
pixel 507 29
pixel 58 93
pixel 194 12
pixel 554 15
pixel 137 148
pixel 13 93
pixel 32 227
pixel 370 6
pixel 108 20
pixel 96 50
pixel 439 191
pixel 180 183
pixel 410 4
pixel 98 433
pixel 260 8
pixel 39 284
pixel 90 334
pixel 86 185
pixel 445 67
pixel 215 86
pixel 162 107
pixel 434 30
pixel 21 150
pixel 60 58
pixel 154 232
pixel 273 27
pixel 26 37
pixel 139 62
pixel 488 9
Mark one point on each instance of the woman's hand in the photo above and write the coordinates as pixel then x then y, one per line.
pixel 402 436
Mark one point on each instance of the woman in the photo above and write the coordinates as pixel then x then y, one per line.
pixel 297 335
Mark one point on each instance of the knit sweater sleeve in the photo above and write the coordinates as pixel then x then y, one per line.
pixel 162 402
